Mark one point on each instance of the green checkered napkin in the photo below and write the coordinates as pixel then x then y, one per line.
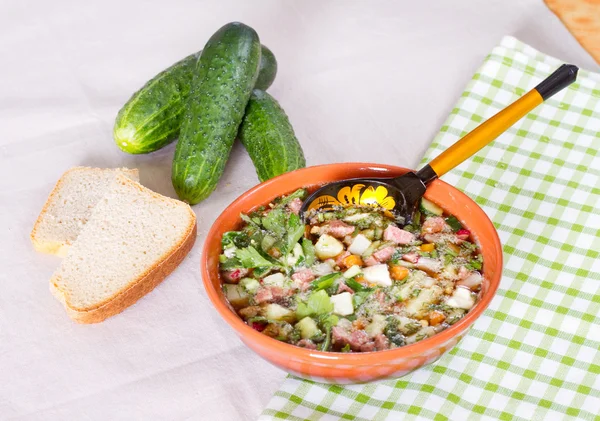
pixel 535 353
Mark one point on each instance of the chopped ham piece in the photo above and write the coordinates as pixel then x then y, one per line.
pixel 295 205
pixel 344 288
pixel 384 254
pixel 371 261
pixel 382 342
pixel 303 278
pixel 443 238
pixel 433 238
pixel 433 225
pixel 368 347
pixel 397 235
pixel 337 229
pixel 271 294
pixel 233 276
pixel 357 339
pixel 340 335
pixel 306 343
pixel 412 257
pixel 381 298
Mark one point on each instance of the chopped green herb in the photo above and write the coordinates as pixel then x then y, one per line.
pixel 237 239
pixel 324 281
pixel 230 263
pixel 267 242
pixel 249 220
pixel 308 249
pixel 453 223
pixel 448 258
pixel 440 307
pixel 260 272
pixel 295 231
pixel 275 221
pixel 359 298
pixel 450 251
pixel 327 342
pixel 326 321
pixel 298 194
pixel 356 286
pixel 392 333
pixel 318 303
pixel 251 258
pixel 468 246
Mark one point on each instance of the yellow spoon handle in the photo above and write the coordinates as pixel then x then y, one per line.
pixel 499 123
pixel 485 133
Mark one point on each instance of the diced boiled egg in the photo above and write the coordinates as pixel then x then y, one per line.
pixel 378 274
pixel 342 304
pixel 276 279
pixel 473 280
pixel 359 245
pixel 328 247
pixel 461 298
pixel 321 269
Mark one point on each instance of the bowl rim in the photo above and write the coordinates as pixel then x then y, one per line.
pixel 415 350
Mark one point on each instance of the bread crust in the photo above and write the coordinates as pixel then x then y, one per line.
pixel 145 283
pixel 60 248
pixel 582 19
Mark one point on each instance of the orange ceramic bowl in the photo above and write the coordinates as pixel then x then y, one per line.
pixel 332 367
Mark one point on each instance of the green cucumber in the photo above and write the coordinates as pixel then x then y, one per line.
pixel 269 138
pixel 430 208
pixel 267 70
pixel 152 117
pixel 223 80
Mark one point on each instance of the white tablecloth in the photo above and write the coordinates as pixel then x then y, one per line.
pixel 369 81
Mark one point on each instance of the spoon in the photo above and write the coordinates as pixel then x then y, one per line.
pixel 400 195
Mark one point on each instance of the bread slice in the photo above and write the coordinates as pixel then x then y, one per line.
pixel 582 19
pixel 70 205
pixel 132 241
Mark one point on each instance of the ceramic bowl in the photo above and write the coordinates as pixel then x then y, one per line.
pixel 341 368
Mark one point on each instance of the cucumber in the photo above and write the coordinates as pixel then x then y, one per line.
pixel 267 70
pixel 152 117
pixel 223 80
pixel 308 328
pixel 430 208
pixel 269 138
